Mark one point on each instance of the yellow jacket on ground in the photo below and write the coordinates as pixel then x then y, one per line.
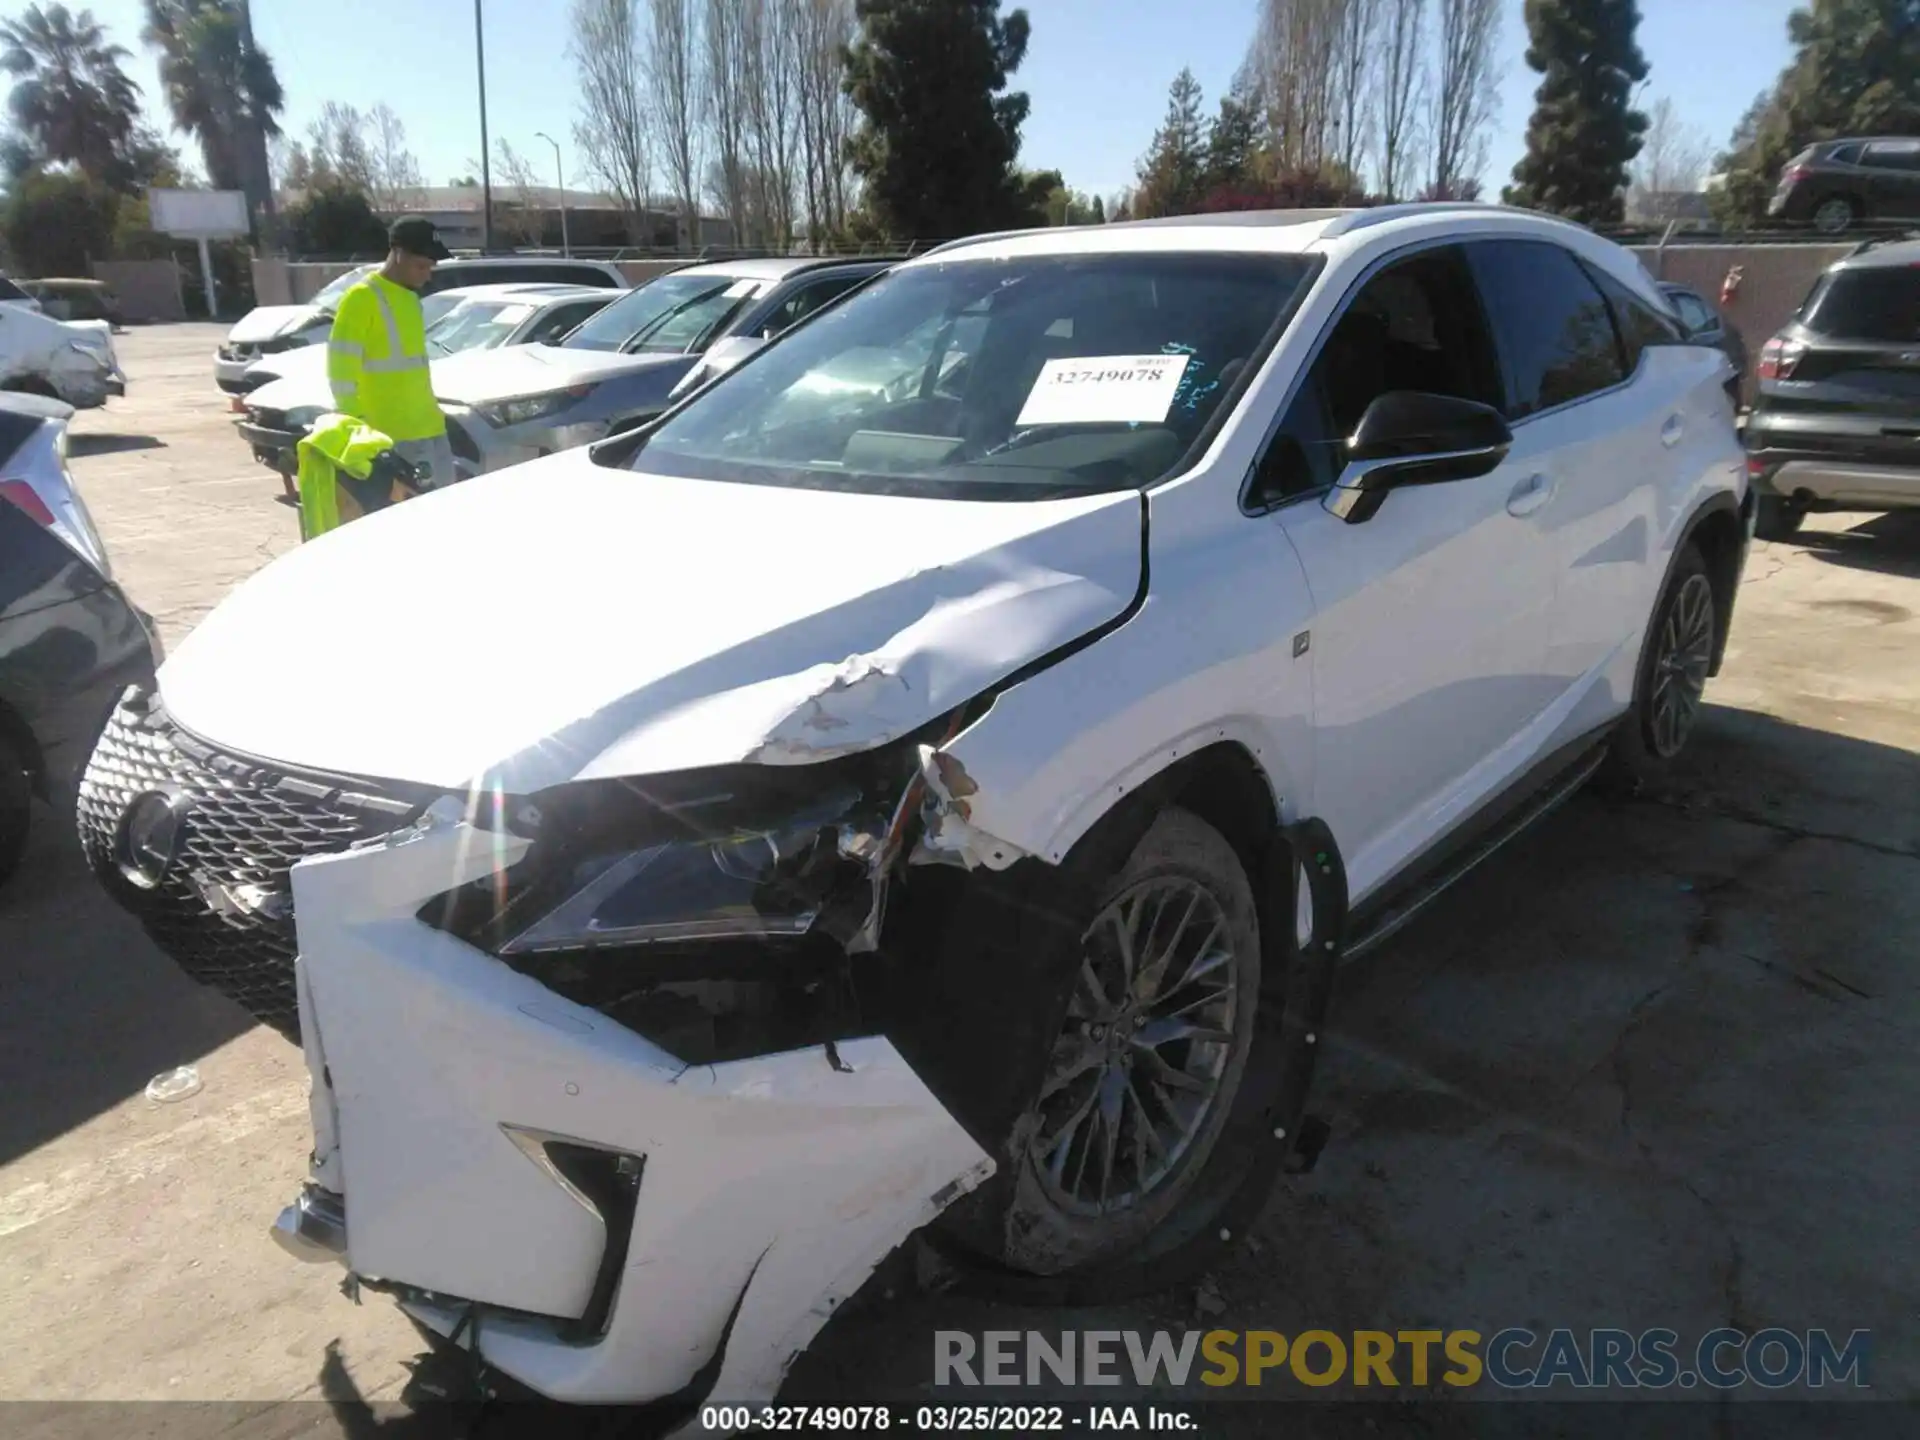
pixel 337 445
pixel 377 361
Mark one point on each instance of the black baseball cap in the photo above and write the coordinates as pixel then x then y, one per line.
pixel 415 235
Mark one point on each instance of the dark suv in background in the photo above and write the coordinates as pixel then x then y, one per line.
pixel 1838 184
pixel 1836 422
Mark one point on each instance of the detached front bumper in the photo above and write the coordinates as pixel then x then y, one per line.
pixel 604 1219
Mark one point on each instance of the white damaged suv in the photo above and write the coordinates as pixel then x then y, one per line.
pixel 928 778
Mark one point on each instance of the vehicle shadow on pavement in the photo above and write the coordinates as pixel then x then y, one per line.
pixel 80 446
pixel 1888 544
pixel 93 1009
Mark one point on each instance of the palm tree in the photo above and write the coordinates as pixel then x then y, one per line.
pixel 71 100
pixel 221 89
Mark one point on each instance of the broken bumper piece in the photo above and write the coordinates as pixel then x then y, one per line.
pixel 600 1220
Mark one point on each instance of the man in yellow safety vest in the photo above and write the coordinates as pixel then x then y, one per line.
pixel 377 352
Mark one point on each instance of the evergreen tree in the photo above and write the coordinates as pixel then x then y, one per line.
pixel 1233 141
pixel 1175 164
pixel 1855 71
pixel 1584 131
pixel 939 130
pixel 1099 211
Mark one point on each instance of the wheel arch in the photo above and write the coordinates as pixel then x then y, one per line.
pixel 1718 529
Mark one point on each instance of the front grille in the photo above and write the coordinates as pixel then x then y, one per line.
pixel 246 825
pixel 239 352
pixel 267 419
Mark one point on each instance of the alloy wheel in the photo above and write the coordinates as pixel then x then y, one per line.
pixel 1680 666
pixel 1144 1053
pixel 1833 216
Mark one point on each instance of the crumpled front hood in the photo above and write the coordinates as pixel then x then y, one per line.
pixel 484 376
pixel 264 322
pixel 560 620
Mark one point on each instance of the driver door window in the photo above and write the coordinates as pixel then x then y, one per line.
pixel 1416 325
pixel 804 301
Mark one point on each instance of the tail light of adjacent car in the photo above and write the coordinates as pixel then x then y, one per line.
pixel 1794 174
pixel 54 504
pixel 1779 357
pixel 24 497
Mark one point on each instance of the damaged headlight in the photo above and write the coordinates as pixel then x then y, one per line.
pixel 521 409
pixel 765 886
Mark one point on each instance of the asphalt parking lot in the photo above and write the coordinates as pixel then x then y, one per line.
pixel 1655 1065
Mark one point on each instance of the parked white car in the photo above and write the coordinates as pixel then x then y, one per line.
pixel 274 329
pixel 70 360
pixel 841 808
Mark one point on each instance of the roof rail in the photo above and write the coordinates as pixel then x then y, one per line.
pixel 1874 242
pixel 1381 214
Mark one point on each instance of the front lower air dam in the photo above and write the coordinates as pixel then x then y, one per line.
pixel 587 1210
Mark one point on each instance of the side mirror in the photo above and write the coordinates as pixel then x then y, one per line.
pixel 1409 437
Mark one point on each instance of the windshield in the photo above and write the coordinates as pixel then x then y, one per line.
pixel 1881 302
pixel 330 294
pixel 673 314
pixel 477 325
pixel 992 379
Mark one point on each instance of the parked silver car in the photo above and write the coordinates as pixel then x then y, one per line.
pixel 475 318
pixel 622 367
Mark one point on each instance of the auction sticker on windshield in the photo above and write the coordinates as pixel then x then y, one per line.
pixel 1089 389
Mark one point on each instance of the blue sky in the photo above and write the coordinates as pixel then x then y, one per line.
pixel 1097 70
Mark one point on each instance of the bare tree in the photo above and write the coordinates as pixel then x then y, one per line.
pixel 1673 158
pixel 824 29
pixel 524 218
pixel 1292 59
pixel 395 172
pixel 1358 23
pixel 612 133
pixel 769 66
pixel 1463 95
pixel 1400 84
pixel 723 92
pixel 672 66
pixel 338 149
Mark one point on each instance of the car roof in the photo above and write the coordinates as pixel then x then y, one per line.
pixel 1881 255
pixel 1336 234
pixel 779 267
pixel 495 262
pixel 507 290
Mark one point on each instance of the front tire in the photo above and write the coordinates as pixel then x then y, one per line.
pixel 1672 678
pixel 1835 215
pixel 1144 1111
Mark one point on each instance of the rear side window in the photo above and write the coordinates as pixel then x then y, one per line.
pixel 561 319
pixel 1555 333
pixel 1639 324
pixel 1878 303
pixel 1894 155
pixel 1844 155
pixel 803 302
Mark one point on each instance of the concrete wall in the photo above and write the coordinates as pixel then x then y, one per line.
pixel 289 282
pixel 638 272
pixel 1775 280
pixel 149 290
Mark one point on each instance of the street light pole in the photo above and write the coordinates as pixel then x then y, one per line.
pixel 559 174
pixel 486 161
